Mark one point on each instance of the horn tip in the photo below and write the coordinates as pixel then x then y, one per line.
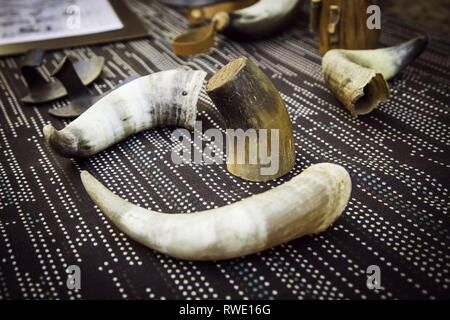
pixel 86 178
pixel 84 174
pixel 49 132
pixel 424 37
pixel 421 42
pixel 65 144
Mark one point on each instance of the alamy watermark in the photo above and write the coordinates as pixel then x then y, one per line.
pixel 374 20
pixel 374 277
pixel 74 17
pixel 73 277
pixel 243 147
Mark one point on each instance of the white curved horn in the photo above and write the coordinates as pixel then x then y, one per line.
pixel 166 98
pixel 358 77
pixel 307 204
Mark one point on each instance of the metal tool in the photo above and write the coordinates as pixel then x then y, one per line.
pixel 41 90
pixel 80 97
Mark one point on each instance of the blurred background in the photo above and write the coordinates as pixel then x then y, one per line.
pixel 428 13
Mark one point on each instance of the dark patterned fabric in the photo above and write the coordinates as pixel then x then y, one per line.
pixel 398 159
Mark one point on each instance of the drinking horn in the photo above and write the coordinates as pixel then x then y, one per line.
pixel 358 78
pixel 261 19
pixel 307 204
pixel 249 102
pixel 166 98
